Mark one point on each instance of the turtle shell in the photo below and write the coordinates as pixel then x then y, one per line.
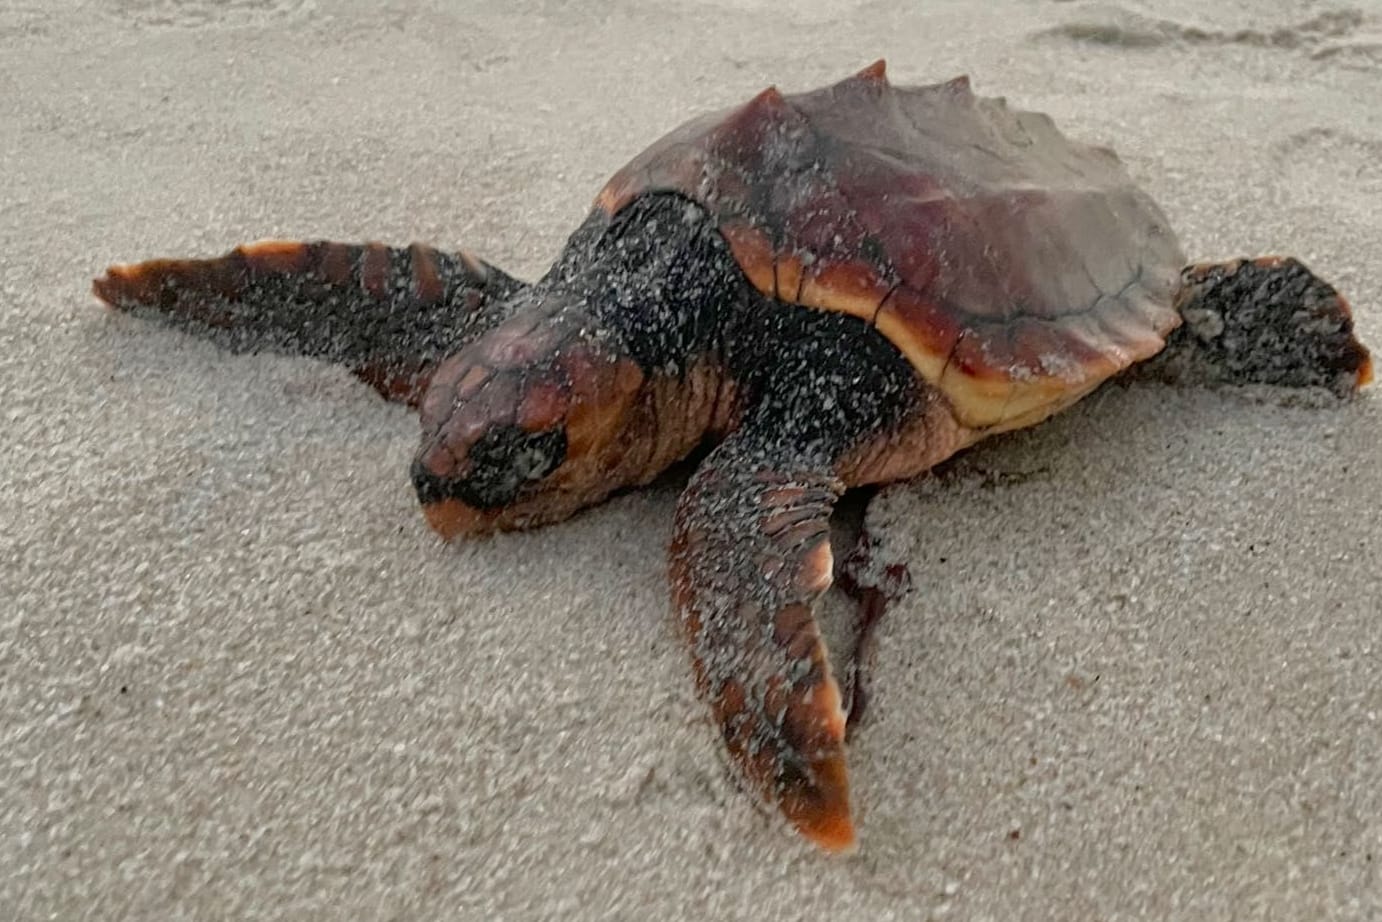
pixel 1016 269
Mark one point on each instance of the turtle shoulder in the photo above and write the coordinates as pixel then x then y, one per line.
pixel 1014 267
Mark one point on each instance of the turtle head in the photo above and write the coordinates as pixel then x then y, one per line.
pixel 525 426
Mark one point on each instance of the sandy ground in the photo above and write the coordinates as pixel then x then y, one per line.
pixel 1140 677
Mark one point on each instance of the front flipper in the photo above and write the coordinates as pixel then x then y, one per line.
pixel 388 314
pixel 750 556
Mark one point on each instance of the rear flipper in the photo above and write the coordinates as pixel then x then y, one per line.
pixel 388 314
pixel 1263 321
pixel 874 583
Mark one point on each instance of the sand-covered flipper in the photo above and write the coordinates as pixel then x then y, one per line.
pixel 750 556
pixel 1267 321
pixel 389 314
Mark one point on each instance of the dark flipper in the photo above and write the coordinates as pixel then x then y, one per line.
pixel 389 314
pixel 750 556
pixel 1263 321
pixel 828 397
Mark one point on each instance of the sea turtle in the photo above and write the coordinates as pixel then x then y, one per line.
pixel 840 287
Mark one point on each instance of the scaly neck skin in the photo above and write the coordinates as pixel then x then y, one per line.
pixel 658 274
pixel 658 283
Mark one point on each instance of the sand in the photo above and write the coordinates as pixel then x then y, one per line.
pixel 1141 673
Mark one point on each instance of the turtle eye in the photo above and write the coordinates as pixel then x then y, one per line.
pixel 502 462
pixel 507 457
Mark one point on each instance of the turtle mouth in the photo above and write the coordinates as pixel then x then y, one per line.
pixel 1365 371
pixel 451 518
pixel 448 506
pixel 494 471
pixel 494 484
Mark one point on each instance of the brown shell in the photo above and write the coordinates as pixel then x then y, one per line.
pixel 1015 268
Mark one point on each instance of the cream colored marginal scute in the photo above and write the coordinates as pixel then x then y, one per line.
pixel 978 399
pixel 930 365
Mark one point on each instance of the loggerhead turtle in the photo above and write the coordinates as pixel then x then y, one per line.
pixel 839 287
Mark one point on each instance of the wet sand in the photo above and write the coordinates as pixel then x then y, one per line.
pixel 1140 674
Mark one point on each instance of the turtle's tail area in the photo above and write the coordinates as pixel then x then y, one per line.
pixel 1264 321
pixel 388 314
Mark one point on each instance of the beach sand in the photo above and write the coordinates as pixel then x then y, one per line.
pixel 1140 675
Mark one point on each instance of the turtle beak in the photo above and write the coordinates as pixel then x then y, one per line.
pixel 451 517
pixel 448 515
pixel 489 487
